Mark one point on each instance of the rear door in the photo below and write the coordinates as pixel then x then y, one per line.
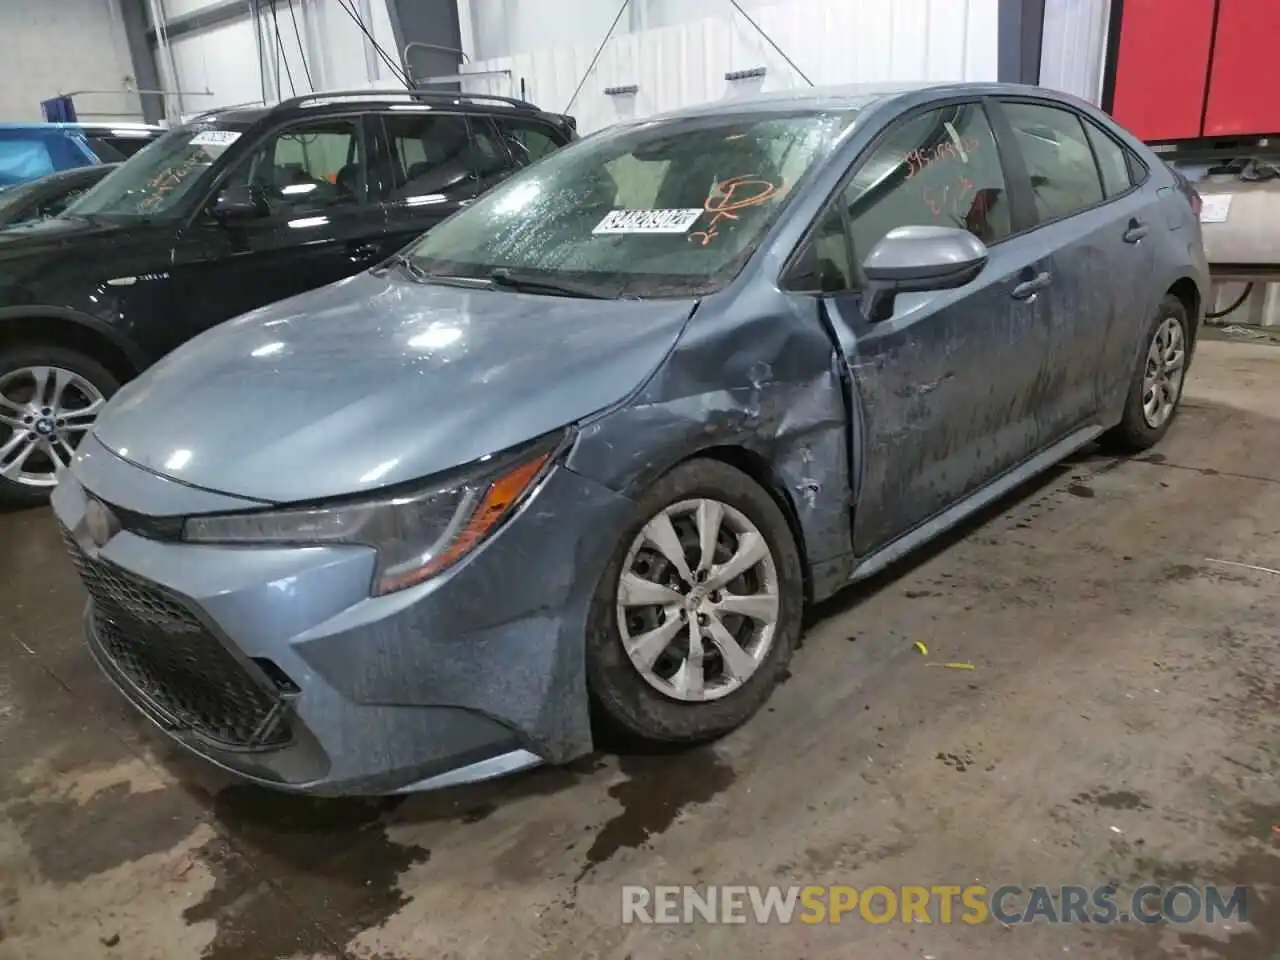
pixel 1092 225
pixel 320 226
pixel 945 390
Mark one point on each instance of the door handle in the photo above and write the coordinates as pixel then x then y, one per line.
pixel 1029 288
pixel 1136 231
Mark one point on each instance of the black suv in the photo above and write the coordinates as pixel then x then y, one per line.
pixel 234 210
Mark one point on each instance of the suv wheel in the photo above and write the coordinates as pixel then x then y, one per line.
pixel 49 399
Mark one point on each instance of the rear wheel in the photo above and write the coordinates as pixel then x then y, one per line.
pixel 49 399
pixel 699 610
pixel 1155 388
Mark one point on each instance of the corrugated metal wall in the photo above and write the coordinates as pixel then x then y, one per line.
pixel 832 41
pixel 57 46
pixel 1075 46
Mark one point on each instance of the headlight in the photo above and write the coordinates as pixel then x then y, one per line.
pixel 417 534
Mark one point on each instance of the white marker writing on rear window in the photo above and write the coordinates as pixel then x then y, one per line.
pixel 648 221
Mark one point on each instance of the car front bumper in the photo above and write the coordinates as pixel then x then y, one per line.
pixel 276 664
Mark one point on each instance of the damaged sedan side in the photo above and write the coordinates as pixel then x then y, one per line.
pixel 582 454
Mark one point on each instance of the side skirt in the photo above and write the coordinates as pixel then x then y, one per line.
pixel 993 491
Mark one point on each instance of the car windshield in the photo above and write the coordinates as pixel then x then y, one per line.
pixel 155 180
pixel 667 208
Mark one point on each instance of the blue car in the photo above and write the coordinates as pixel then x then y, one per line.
pixel 29 151
pixel 580 456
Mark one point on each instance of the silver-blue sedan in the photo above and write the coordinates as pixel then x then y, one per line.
pixel 580 456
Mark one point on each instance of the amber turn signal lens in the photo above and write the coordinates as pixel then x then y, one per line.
pixel 502 495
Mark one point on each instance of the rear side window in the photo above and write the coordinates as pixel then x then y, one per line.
pixel 491 162
pixel 431 158
pixel 1113 161
pixel 106 150
pixel 941 169
pixel 1059 160
pixel 528 140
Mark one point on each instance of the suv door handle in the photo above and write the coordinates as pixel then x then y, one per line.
pixel 1029 288
pixel 1136 231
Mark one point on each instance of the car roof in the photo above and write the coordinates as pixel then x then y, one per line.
pixel 36 125
pixel 348 101
pixel 855 96
pixel 129 128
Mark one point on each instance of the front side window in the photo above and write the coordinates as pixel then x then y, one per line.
pixel 431 159
pixel 668 208
pixel 309 167
pixel 1064 177
pixel 155 181
pixel 938 169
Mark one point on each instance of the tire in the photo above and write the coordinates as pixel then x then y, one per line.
pixel 87 375
pixel 628 705
pixel 1136 431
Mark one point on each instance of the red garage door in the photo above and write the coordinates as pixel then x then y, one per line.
pixel 1190 68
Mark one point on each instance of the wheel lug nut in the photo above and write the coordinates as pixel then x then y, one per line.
pixel 703 619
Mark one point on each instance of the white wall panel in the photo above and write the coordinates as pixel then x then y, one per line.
pixel 180 8
pixel 333 50
pixel 831 41
pixel 58 46
pixel 223 60
pixel 1075 46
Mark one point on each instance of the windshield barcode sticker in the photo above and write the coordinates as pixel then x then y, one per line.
pixel 648 221
pixel 215 138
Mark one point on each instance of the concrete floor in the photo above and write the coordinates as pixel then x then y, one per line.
pixel 1122 724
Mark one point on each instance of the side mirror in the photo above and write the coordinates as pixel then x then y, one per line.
pixel 239 202
pixel 916 259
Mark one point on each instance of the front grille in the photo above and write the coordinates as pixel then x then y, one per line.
pixel 173 659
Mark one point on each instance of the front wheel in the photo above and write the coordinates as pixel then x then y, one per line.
pixel 1155 388
pixel 49 399
pixel 698 611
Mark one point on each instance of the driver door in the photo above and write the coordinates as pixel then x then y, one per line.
pixel 946 390
pixel 317 225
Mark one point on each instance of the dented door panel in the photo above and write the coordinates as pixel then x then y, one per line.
pixel 948 393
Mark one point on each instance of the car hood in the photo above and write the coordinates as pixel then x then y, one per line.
pixel 377 380
pixel 42 237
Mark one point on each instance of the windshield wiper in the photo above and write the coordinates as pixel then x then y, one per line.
pixel 505 278
pixel 413 269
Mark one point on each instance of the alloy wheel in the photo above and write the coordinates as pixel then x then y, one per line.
pixel 1162 379
pixel 697 600
pixel 44 414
